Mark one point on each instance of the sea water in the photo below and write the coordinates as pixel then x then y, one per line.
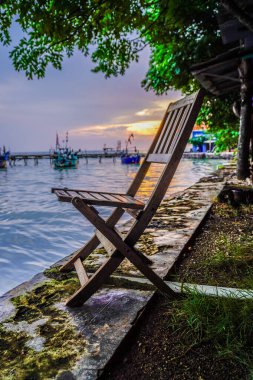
pixel 37 230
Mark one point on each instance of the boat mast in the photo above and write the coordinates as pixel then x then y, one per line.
pixel 67 139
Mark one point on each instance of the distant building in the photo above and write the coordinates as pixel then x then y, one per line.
pixel 201 140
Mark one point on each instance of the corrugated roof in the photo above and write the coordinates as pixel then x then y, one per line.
pixel 220 75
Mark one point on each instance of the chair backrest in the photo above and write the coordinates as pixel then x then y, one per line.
pixel 167 148
pixel 172 126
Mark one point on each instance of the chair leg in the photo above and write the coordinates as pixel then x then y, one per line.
pixel 93 243
pixel 82 253
pixel 143 257
pixel 104 272
pixel 96 281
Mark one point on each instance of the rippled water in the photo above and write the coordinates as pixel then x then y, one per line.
pixel 36 230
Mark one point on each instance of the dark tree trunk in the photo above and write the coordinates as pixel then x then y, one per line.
pixel 251 145
pixel 243 164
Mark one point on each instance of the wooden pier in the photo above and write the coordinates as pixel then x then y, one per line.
pixel 29 156
pixel 38 156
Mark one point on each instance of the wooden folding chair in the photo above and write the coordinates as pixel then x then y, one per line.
pixel 167 148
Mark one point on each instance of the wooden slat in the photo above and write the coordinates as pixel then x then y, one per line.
pixel 135 204
pixel 83 190
pixel 73 193
pixel 110 197
pixel 122 199
pixel 89 195
pixel 183 102
pixel 159 158
pixel 84 194
pixel 116 198
pixel 99 198
pixel 108 246
pixel 129 198
pixel 181 127
pixel 137 201
pixel 81 272
pixel 177 130
pixel 102 196
pixel 172 107
pixel 165 130
pixel 173 130
pixel 96 196
pixel 62 196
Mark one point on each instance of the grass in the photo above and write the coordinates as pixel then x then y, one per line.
pixel 223 255
pixel 233 256
pixel 239 252
pixel 225 322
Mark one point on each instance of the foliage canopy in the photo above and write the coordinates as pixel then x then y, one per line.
pixel 113 33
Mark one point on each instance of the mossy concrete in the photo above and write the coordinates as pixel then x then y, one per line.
pixel 40 338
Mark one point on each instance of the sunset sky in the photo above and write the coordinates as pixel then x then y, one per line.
pixel 92 109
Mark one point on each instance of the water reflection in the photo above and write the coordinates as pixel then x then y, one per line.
pixel 189 171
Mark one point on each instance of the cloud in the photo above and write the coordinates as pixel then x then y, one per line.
pixel 145 112
pixel 154 111
pixel 98 130
pixel 142 123
pixel 143 128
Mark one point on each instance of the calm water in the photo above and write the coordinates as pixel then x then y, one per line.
pixel 36 230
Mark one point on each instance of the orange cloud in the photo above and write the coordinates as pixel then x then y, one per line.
pixel 144 128
pixel 142 123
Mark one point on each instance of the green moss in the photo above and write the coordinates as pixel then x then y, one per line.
pixel 94 260
pixel 56 274
pixel 62 342
pixel 146 245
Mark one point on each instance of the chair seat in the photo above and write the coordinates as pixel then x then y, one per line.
pixel 98 198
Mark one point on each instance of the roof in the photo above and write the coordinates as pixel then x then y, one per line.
pixel 220 75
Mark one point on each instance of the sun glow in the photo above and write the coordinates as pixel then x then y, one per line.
pixel 144 128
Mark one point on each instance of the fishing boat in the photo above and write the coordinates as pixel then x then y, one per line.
pixel 4 158
pixel 64 157
pixel 130 158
